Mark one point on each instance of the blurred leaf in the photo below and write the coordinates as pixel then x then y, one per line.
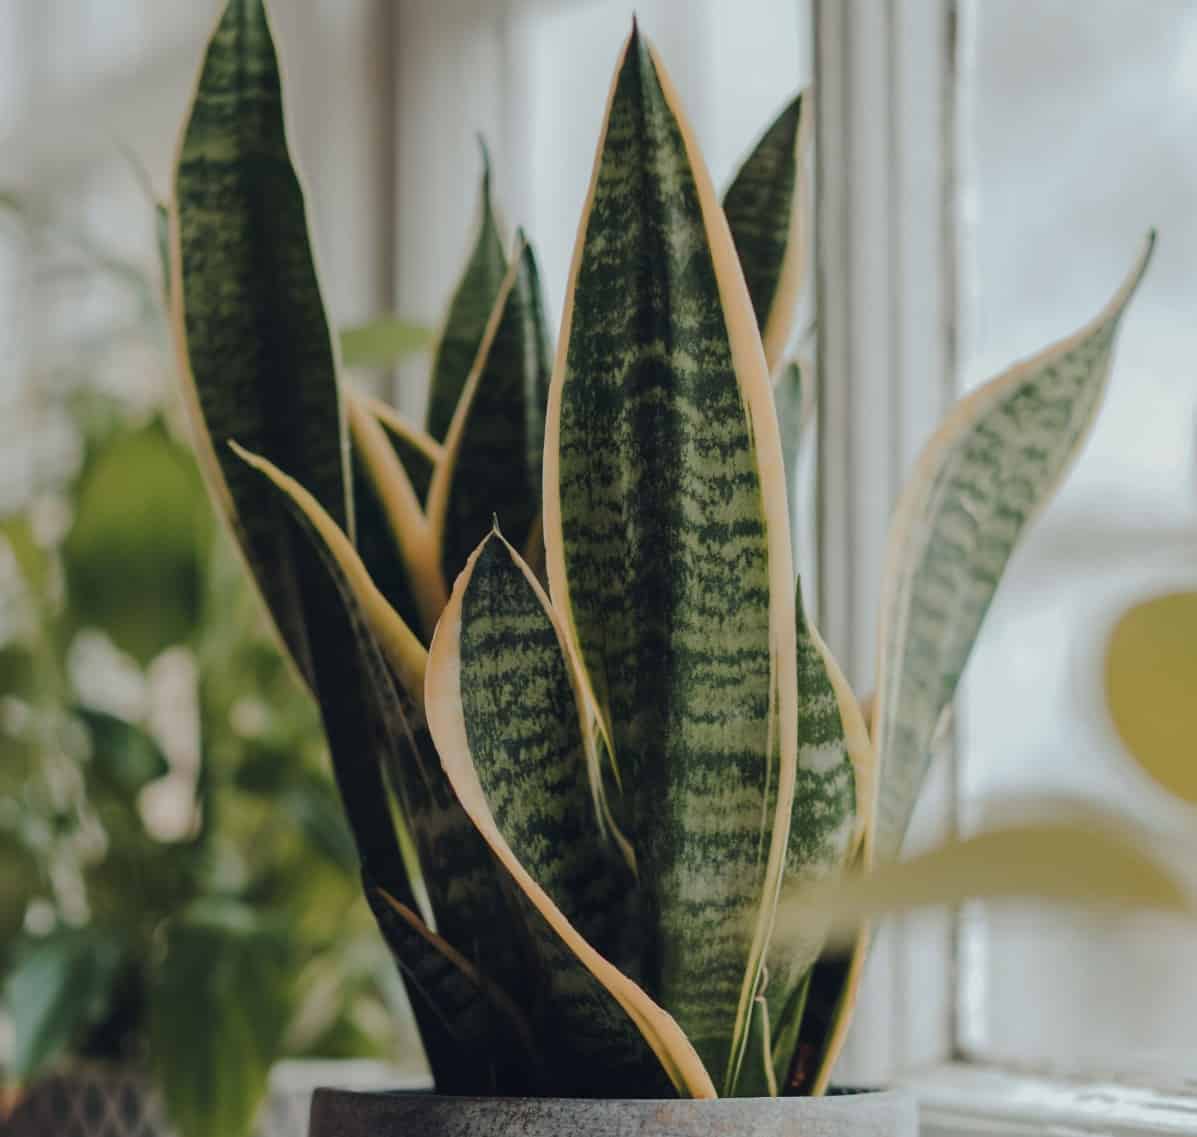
pixel 382 342
pixel 134 555
pixel 125 756
pixel 33 563
pixel 219 1007
pixel 1081 860
pixel 1151 688
pixel 59 986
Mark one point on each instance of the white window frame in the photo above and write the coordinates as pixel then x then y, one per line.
pixel 888 309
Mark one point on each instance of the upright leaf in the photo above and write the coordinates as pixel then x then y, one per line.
pixel 765 207
pixel 668 554
pixel 494 447
pixel 418 452
pixel 461 877
pixel 522 776
pixel 249 318
pixel 831 738
pixel 469 311
pixel 985 474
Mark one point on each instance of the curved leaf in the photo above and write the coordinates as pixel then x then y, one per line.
pixel 833 768
pixel 494 447
pixel 419 452
pixel 250 323
pixel 469 313
pixel 765 207
pixel 668 553
pixel 57 986
pixel 523 780
pixel 981 479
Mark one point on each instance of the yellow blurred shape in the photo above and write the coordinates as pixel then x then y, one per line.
pixel 1151 688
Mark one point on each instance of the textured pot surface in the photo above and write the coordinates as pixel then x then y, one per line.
pixel 339 1114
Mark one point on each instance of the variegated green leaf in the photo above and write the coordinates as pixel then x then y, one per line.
pixel 984 475
pixel 462 880
pixel 248 312
pixel 822 832
pixel 668 554
pixel 417 452
pixel 765 207
pixel 469 311
pixel 506 716
pixel 493 450
pixel 476 1022
pixel 382 342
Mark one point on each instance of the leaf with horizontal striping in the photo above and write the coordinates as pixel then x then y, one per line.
pixel 507 717
pixel 249 319
pixel 476 1022
pixel 766 208
pixel 460 875
pixel 469 312
pixel 493 450
pixel 668 554
pixel 832 749
pixel 986 473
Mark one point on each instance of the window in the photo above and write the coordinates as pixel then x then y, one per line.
pixel 985 170
pixel 1077 134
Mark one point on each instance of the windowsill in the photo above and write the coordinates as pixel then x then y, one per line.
pixel 959 1100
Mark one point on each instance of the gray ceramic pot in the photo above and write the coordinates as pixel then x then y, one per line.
pixel 339 1114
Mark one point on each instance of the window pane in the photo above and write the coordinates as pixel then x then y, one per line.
pixel 1079 133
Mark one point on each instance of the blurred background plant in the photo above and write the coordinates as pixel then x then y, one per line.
pixel 180 890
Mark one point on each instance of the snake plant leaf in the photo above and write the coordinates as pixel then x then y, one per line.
pixel 984 475
pixel 495 1051
pixel 668 553
pixel 368 730
pixel 494 447
pixel 249 320
pixel 522 778
pixel 418 452
pixel 1151 688
pixel 382 342
pixel 1083 859
pixel 766 207
pixel 461 878
pixel 833 761
pixel 392 492
pixel 468 316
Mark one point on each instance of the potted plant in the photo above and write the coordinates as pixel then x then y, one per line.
pixel 178 907
pixel 583 730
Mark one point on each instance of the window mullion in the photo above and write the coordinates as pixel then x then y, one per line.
pixel 886 311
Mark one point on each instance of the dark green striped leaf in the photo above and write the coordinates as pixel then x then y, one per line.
pixel 668 554
pixel 985 474
pixel 392 743
pixel 822 832
pixel 506 716
pixel 765 206
pixel 469 312
pixel 494 448
pixel 494 1049
pixel 248 311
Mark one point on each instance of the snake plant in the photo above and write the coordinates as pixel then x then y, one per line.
pixel 584 729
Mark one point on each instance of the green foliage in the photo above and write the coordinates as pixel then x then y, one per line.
pixel 213 1067
pixel 605 793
